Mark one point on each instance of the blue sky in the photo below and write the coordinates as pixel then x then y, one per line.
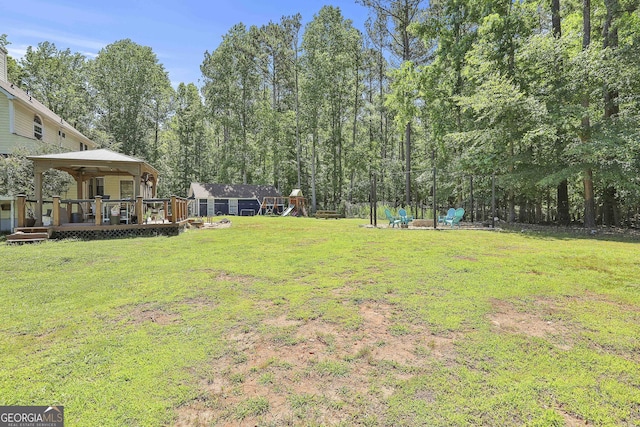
pixel 179 32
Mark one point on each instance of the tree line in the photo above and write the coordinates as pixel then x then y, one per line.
pixel 536 102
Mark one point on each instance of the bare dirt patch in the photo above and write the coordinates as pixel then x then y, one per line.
pixel 313 372
pixel 148 313
pixel 571 421
pixel 226 277
pixel 507 319
pixel 215 225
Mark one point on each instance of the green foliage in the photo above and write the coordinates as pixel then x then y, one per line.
pixel 57 78
pixel 16 175
pixel 330 45
pixel 127 78
pixel 471 88
pixel 189 157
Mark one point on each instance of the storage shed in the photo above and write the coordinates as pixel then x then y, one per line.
pixel 229 199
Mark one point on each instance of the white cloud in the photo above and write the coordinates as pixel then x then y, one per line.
pixel 16 52
pixel 70 40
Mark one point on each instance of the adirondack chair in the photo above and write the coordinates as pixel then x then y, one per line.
pixel 448 217
pixel 404 218
pixel 456 218
pixel 393 221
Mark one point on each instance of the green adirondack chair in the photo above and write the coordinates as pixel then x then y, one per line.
pixel 456 218
pixel 393 221
pixel 404 218
pixel 448 217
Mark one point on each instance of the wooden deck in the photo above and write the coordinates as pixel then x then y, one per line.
pixel 139 217
pixel 88 231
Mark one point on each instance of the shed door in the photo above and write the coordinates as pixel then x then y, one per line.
pixel 233 206
pixel 211 207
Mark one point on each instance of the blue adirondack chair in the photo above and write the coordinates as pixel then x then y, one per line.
pixel 448 217
pixel 393 221
pixel 404 218
pixel 457 217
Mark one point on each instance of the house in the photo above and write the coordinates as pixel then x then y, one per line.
pixel 26 123
pixel 229 199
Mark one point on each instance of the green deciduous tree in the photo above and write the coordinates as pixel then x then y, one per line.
pixel 58 79
pixel 397 17
pixel 127 79
pixel 328 45
pixel 231 90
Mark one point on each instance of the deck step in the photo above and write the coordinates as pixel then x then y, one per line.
pixel 32 229
pixel 31 237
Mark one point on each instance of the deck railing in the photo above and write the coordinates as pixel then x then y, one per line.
pixel 98 211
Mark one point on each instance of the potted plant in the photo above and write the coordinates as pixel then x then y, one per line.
pixel 115 215
pixel 30 221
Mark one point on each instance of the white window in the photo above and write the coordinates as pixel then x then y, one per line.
pixel 37 127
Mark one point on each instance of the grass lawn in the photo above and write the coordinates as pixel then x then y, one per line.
pixel 295 321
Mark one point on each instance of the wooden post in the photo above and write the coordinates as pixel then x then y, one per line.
pixel 22 209
pixel 166 210
pixel 435 214
pixel 79 191
pixel 38 188
pixel 174 209
pixel 471 193
pixel 375 200
pixel 493 200
pixel 139 209
pixel 12 223
pixel 98 212
pixel 55 212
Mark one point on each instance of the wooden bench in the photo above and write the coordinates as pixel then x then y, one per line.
pixel 328 214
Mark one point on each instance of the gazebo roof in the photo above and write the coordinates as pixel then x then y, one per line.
pixel 94 163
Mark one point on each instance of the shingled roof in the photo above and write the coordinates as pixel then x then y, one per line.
pixel 232 191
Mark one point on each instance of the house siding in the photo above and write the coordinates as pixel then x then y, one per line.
pixel 10 142
pixel 23 121
pixel 112 186
pixel 3 67
pixel 4 124
pixel 23 137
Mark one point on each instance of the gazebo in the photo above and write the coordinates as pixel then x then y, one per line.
pixel 84 165
pixel 139 213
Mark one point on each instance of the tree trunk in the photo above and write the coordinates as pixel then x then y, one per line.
pixel 611 108
pixel 563 186
pixel 313 172
pixel 407 137
pixel 610 209
pixel 587 176
pixel 354 135
pixel 563 203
